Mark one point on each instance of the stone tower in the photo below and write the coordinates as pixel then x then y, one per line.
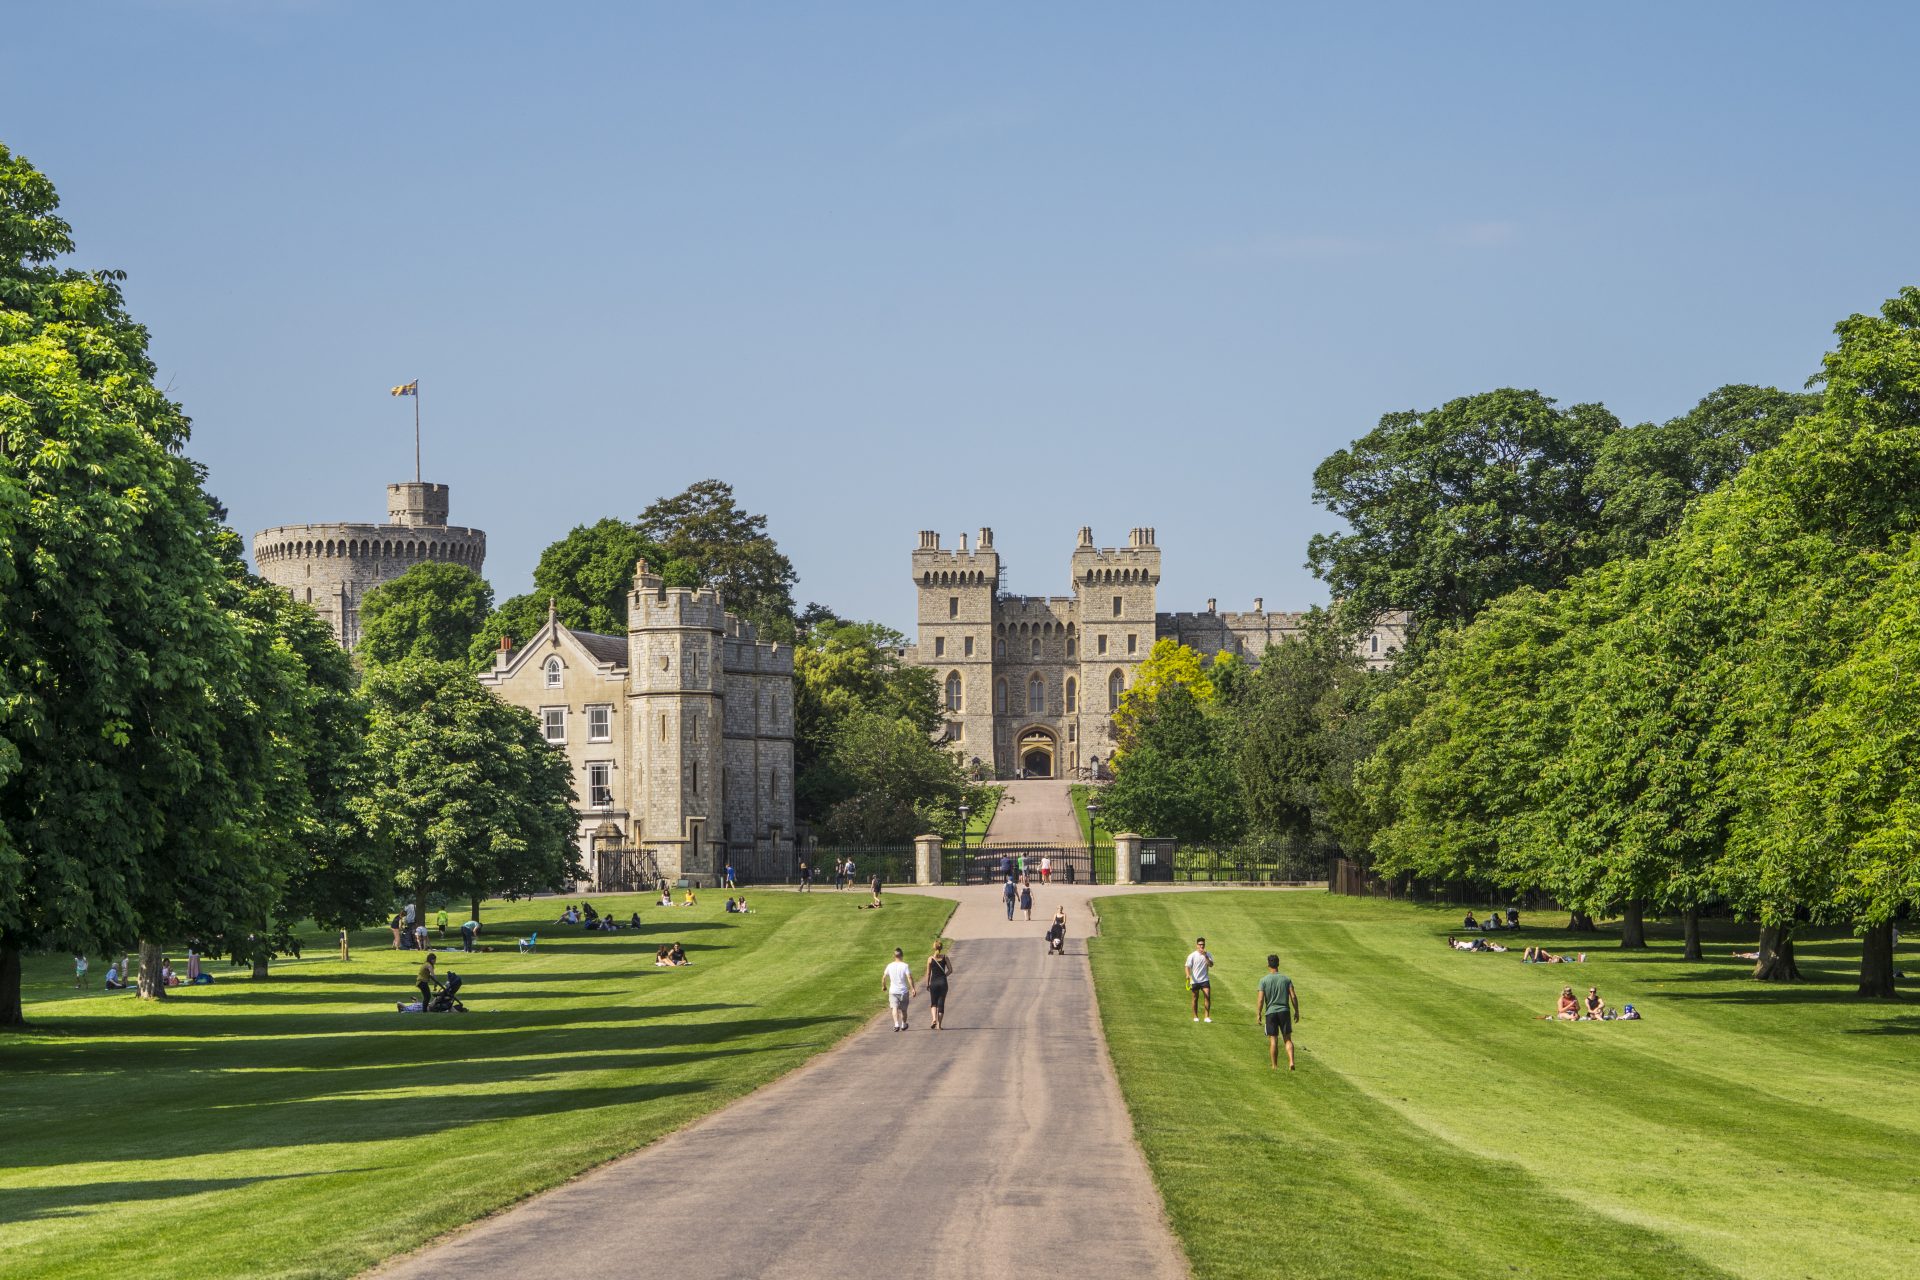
pixel 333 566
pixel 676 640
pixel 1114 592
pixel 957 592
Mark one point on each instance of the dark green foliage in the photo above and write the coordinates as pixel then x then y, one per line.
pixel 1176 779
pixel 844 670
pixel 704 528
pixel 586 576
pixel 431 612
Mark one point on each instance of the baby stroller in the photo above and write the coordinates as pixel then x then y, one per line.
pixel 1056 939
pixel 444 1000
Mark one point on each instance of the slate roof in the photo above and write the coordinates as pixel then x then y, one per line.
pixel 611 649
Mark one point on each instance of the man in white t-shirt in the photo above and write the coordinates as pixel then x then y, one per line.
pixel 1198 970
pixel 898 983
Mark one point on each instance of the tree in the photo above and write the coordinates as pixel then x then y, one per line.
pixel 461 788
pixel 135 747
pixel 1176 777
pixel 587 576
pixel 1167 664
pixel 431 612
pixel 727 548
pixel 901 782
pixel 1452 508
pixel 842 670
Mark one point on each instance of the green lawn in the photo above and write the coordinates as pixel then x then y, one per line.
pixel 1436 1128
pixel 300 1127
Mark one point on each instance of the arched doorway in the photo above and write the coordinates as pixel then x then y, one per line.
pixel 1037 753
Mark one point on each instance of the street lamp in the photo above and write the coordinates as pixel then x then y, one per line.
pixel 965 809
pixel 1093 839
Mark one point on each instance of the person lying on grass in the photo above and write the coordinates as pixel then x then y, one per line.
pixel 1473 944
pixel 1540 955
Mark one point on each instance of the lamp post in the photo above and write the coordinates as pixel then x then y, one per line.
pixel 1093 836
pixel 965 809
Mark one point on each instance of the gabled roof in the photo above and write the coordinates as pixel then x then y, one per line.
pixel 610 649
pixel 609 653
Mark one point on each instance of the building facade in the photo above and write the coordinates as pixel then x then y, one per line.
pixel 680 733
pixel 333 566
pixel 1030 683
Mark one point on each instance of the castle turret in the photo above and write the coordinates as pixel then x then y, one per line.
pixel 675 659
pixel 956 615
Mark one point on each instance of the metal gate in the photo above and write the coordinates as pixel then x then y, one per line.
pixel 625 871
pixel 1156 861
pixel 1064 864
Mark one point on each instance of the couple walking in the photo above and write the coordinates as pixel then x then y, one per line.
pixel 897 982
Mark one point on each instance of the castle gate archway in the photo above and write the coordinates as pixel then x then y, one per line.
pixel 1038 753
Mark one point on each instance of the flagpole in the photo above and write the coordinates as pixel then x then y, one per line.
pixel 416 431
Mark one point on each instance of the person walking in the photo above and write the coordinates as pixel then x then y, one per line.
pixel 1198 968
pixel 939 969
pixel 1026 897
pixel 1010 892
pixel 1046 869
pixel 897 981
pixel 1279 1006
pixel 427 979
pixel 730 884
pixel 80 973
pixel 443 922
pixel 806 878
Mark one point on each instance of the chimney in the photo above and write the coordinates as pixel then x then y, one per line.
pixel 963 544
pixel 1210 604
pixel 986 538
pixel 1086 535
pixel 1259 604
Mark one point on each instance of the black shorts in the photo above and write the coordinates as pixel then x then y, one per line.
pixel 1280 1023
pixel 1206 986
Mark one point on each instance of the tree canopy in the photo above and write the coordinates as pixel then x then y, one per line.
pixel 724 546
pixel 433 611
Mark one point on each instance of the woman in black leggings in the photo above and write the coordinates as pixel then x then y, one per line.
pixel 939 969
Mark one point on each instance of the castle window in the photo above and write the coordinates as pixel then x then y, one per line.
pixel 600 785
pixel 1071 732
pixel 1036 696
pixel 696 777
pixel 1116 606
pixel 1116 685
pixel 1373 644
pixel 1000 696
pixel 1073 645
pixel 966 646
pixel 953 606
pixel 1133 642
pixel 939 646
pixel 553 723
pixel 999 648
pixel 554 669
pixel 953 691
pixel 1035 650
pixel 953 731
pixel 1073 695
pixel 600 723
pixel 1100 643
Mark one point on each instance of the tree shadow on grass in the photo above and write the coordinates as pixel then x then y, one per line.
pixel 29 1204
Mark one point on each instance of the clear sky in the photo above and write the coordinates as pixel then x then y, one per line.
pixel 888 266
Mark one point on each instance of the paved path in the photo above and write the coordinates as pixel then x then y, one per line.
pixel 996 1148
pixel 1034 812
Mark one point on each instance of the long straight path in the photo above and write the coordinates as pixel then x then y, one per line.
pixel 996 1148
pixel 1035 811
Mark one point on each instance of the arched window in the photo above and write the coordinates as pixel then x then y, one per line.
pixel 1000 696
pixel 1116 685
pixel 999 648
pixel 953 691
pixel 1073 695
pixel 1036 695
pixel 1073 645
pixel 554 668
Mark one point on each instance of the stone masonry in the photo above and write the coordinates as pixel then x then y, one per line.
pixel 333 566
pixel 1030 683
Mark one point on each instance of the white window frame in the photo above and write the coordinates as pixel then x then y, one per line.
pixel 594 799
pixel 605 710
pixel 556 672
pixel 547 723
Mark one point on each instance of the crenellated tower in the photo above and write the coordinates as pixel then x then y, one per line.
pixel 957 590
pixel 676 640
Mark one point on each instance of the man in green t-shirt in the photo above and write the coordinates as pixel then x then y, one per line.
pixel 1279 1005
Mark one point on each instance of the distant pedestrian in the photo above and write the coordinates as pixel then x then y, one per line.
pixel 1046 869
pixel 1199 969
pixel 875 886
pixel 730 884
pixel 1026 897
pixel 897 981
pixel 806 878
pixel 443 922
pixel 1011 893
pixel 939 969
pixel 1006 867
pixel 1280 1007
pixel 394 924
pixel 467 932
pixel 79 973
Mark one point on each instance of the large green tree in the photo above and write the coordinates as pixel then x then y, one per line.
pixel 1175 778
pixel 461 788
pixel 900 782
pixel 431 612
pixel 705 528
pixel 586 578
pixel 844 670
pixel 137 704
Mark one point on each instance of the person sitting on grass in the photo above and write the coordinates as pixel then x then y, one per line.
pixel 1470 922
pixel 729 908
pixel 568 916
pixel 635 922
pixel 660 960
pixel 666 896
pixel 1596 1008
pixel 691 899
pixel 1569 1009
pixel 586 909
pixel 741 905
pixel 113 982
pixel 677 955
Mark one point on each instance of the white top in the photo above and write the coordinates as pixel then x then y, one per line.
pixel 898 978
pixel 1046 864
pixel 1198 963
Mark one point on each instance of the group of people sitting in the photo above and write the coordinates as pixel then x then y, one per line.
pixel 1540 955
pixel 1493 923
pixel 670 957
pixel 666 897
pixel 1592 1009
pixel 736 906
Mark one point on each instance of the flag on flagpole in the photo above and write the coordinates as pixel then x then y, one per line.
pixel 410 389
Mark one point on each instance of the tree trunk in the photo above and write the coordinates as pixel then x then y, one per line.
pixel 1580 922
pixel 259 962
pixel 151 987
pixel 1776 956
pixel 1876 960
pixel 11 1013
pixel 1633 926
pixel 1690 920
pixel 476 910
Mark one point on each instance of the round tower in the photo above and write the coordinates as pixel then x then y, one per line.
pixel 332 565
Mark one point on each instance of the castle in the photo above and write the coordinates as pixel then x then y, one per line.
pixel 333 566
pixel 680 733
pixel 1030 683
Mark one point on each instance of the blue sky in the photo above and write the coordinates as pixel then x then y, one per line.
pixel 888 267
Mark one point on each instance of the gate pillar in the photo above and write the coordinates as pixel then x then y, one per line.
pixel 926 859
pixel 1126 858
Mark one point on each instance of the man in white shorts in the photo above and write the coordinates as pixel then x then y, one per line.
pixel 1199 969
pixel 898 983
